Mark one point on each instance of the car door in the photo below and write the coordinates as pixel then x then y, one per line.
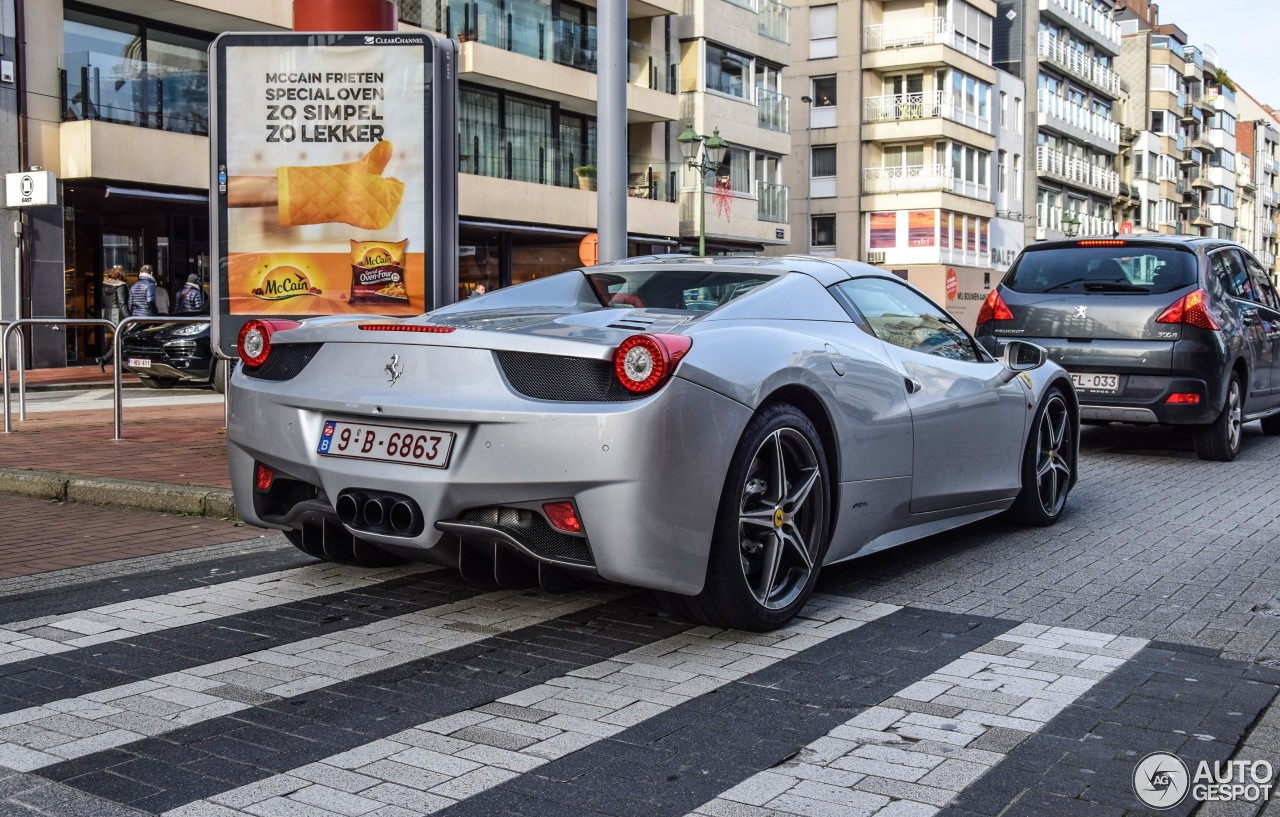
pixel 1269 312
pixel 967 425
pixel 1241 302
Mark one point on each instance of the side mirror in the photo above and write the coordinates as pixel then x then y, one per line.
pixel 1021 356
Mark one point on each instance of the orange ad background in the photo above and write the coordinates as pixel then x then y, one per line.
pixel 328 272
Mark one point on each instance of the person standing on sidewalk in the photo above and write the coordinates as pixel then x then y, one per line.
pixel 142 295
pixel 191 300
pixel 115 304
pixel 162 294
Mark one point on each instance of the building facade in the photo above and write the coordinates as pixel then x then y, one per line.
pixel 1258 138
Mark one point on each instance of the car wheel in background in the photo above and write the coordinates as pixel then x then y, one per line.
pixel 772 528
pixel 1271 425
pixel 157 382
pixel 219 381
pixel 1220 440
pixel 1049 463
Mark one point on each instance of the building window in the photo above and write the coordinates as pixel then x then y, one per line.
pixel 1002 179
pixel 1017 174
pixel 823 162
pixel 1017 114
pixel 736 167
pixel 728 72
pixel 822 231
pixel 822 32
pixel 824 92
pixel 1004 110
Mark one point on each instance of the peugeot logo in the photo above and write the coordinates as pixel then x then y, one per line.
pixel 394 369
pixel 1080 311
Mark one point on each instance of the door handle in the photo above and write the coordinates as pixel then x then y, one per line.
pixel 912 385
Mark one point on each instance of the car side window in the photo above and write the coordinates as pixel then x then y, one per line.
pixel 1261 282
pixel 1232 275
pixel 897 315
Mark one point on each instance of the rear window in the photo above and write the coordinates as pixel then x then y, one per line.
pixel 694 290
pixel 1121 269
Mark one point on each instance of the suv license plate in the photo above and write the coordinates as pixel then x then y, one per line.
pixel 139 362
pixel 1109 383
pixel 366 441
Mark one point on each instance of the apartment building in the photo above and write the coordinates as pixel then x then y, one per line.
pixel 1151 65
pixel 1258 139
pixel 1066 50
pixel 732 54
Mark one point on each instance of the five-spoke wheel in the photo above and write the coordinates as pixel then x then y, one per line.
pixel 1049 464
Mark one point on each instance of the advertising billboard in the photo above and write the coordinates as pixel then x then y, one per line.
pixel 335 178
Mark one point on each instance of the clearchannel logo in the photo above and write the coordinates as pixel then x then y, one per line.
pixel 371 39
pixel 1161 780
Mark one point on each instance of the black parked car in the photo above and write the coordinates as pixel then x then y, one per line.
pixel 165 354
pixel 1178 330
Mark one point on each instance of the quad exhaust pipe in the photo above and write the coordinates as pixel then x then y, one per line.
pixel 379 513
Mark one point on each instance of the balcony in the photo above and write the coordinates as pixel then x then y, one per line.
pixel 1198 178
pixel 1084 68
pixel 1081 15
pixel 772 202
pixel 110 88
pixel 1268 260
pixel 1270 198
pixel 907 179
pixel 1268 228
pixel 1270 165
pixel 907 107
pixel 1198 217
pixel 1050 218
pixel 651 179
pixel 775 21
pixel 775 110
pixel 528 28
pixel 1244 181
pixel 1077 121
pixel 925 31
pixel 1076 171
pixel 1127 135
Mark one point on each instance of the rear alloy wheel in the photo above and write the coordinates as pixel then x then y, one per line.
pixel 772 528
pixel 1220 440
pixel 1049 464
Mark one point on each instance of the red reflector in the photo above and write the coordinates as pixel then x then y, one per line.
pixel 1184 398
pixel 263 477
pixel 994 309
pixel 562 515
pixel 1101 242
pixel 407 327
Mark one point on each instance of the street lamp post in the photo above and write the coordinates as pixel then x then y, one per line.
pixel 1070 224
pixel 712 151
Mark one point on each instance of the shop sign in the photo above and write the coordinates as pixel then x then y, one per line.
pixel 32 189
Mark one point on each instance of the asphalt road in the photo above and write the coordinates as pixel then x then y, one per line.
pixel 994 671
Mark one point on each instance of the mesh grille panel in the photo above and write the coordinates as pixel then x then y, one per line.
pixel 552 377
pixel 534 530
pixel 285 362
pixel 142 345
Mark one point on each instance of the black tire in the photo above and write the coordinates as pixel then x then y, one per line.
pixel 157 382
pixel 766 521
pixel 219 381
pixel 1271 425
pixel 1220 440
pixel 1048 464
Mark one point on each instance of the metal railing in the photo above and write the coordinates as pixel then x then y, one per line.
pixel 1075 170
pixel 775 21
pixel 1078 116
pixel 775 110
pixel 905 178
pixel 112 88
pixel 771 202
pixel 1099 21
pixel 120 329
pixel 1079 64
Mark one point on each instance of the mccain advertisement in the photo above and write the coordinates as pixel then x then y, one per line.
pixel 325 182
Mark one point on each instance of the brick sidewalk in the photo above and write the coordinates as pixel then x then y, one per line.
pixel 178 445
pixel 88 376
pixel 39 535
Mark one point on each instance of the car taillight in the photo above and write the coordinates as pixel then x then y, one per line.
pixel 644 362
pixel 563 516
pixel 1190 310
pixel 255 339
pixel 994 309
pixel 262 478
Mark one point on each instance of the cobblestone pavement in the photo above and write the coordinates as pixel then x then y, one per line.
pixel 995 671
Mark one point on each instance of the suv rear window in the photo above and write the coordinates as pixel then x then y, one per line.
pixel 1119 269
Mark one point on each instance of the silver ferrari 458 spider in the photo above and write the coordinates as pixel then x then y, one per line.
pixel 716 430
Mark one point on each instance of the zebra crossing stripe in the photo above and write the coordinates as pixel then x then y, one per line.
pixel 37 737
pixel 436 764
pixel 53 634
pixel 51 678
pixel 914 753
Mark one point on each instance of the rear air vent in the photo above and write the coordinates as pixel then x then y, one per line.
pixel 567 379
pixel 633 322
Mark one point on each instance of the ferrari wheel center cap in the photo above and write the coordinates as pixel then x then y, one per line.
pixel 778 517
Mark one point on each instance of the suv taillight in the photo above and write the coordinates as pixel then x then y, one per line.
pixel 1190 310
pixel 994 309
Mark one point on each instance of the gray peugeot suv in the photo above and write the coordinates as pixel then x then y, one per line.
pixel 1178 330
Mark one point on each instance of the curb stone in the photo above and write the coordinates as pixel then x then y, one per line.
pixel 194 500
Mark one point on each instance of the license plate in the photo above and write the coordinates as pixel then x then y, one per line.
pixel 382 443
pixel 1087 381
pixel 139 362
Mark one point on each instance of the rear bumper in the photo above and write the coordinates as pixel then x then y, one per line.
pixel 645 476
pixel 1193 366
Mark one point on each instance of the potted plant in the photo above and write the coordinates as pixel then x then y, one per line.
pixel 586 176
